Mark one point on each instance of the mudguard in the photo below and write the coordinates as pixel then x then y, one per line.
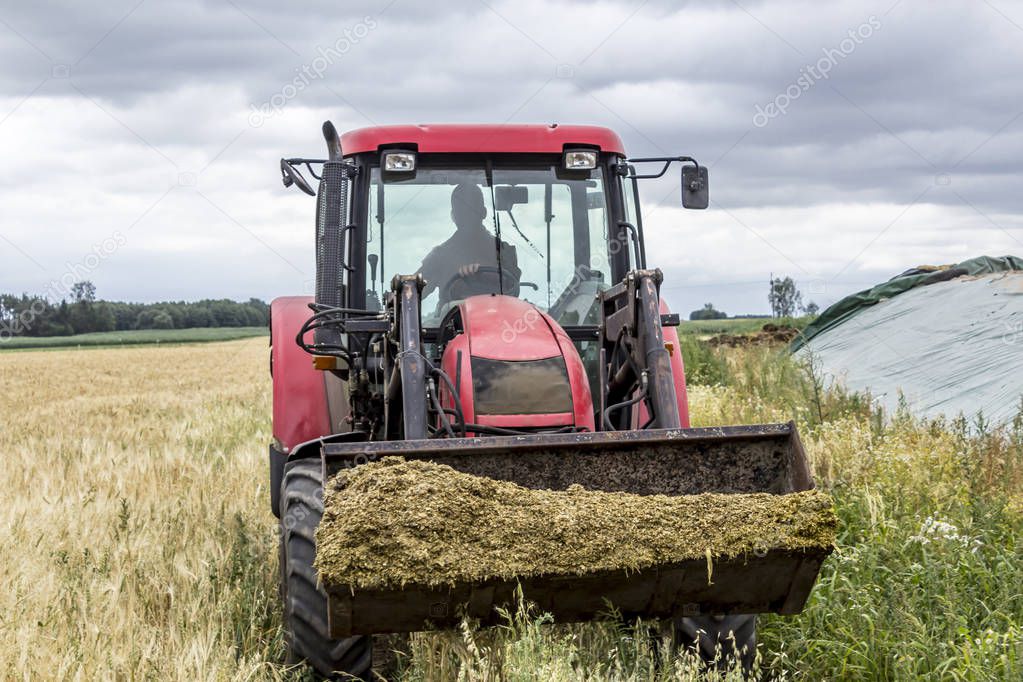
pixel 678 368
pixel 300 410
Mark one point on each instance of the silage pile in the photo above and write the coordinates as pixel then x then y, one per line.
pixel 393 523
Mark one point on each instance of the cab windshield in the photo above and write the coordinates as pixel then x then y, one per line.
pixel 535 232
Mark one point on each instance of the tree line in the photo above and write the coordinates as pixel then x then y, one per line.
pixel 33 315
pixel 785 299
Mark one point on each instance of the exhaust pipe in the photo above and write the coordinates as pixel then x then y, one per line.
pixel 331 209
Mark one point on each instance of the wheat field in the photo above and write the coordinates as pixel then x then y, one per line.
pixel 138 543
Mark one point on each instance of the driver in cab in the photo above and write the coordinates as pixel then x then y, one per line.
pixel 467 262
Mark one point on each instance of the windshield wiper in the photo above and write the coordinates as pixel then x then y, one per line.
pixel 497 225
pixel 516 226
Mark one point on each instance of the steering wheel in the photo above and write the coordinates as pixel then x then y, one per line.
pixel 449 292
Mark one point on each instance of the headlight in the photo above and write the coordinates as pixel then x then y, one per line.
pixel 580 159
pixel 399 162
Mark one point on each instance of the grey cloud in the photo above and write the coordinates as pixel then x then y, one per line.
pixel 930 96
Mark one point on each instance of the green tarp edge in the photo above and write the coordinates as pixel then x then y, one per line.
pixel 850 305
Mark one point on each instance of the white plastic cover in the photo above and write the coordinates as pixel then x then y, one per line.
pixel 952 347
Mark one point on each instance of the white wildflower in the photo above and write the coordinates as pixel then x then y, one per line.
pixel 936 530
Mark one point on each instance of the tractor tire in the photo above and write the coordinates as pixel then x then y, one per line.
pixel 719 640
pixel 305 602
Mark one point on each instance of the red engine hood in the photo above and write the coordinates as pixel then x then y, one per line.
pixel 507 328
pixel 511 330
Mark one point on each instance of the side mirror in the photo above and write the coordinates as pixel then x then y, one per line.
pixel 291 176
pixel 507 196
pixel 695 187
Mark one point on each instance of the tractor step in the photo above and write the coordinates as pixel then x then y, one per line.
pixel 765 458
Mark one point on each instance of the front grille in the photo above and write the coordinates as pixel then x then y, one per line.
pixel 521 387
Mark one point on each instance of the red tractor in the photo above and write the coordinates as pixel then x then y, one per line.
pixel 483 299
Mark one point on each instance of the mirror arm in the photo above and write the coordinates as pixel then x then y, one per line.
pixel 697 183
pixel 667 160
pixel 308 164
pixel 291 176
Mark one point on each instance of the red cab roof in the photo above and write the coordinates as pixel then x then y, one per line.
pixel 492 138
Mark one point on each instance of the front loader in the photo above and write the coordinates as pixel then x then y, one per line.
pixel 482 300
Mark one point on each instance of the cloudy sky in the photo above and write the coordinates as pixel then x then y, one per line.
pixel 847 141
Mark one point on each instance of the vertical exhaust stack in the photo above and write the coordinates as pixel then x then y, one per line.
pixel 331 212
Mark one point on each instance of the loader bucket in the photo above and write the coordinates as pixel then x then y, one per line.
pixel 736 459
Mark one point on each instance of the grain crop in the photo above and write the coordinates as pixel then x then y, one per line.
pixel 136 539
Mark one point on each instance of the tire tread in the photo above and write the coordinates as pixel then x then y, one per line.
pixel 304 600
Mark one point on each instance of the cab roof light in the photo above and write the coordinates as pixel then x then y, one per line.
pixel 580 159
pixel 396 161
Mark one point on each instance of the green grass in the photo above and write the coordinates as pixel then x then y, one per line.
pixel 746 325
pixel 133 337
pixel 926 579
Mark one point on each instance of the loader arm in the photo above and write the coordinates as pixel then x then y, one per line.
pixel 406 393
pixel 638 361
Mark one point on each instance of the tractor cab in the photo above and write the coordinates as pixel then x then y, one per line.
pixel 544 213
pixel 525 211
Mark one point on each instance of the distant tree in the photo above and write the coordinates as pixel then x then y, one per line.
pixel 227 313
pixel 8 313
pixel 707 312
pixel 145 318
pixel 177 312
pixel 253 318
pixel 83 291
pixel 154 318
pixel 103 317
pixel 811 308
pixel 82 317
pixel 63 313
pixel 163 320
pixel 263 311
pixel 198 315
pixel 125 315
pixel 784 298
pixel 31 316
pixel 259 305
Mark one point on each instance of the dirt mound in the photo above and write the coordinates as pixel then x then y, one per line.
pixel 394 522
pixel 768 334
